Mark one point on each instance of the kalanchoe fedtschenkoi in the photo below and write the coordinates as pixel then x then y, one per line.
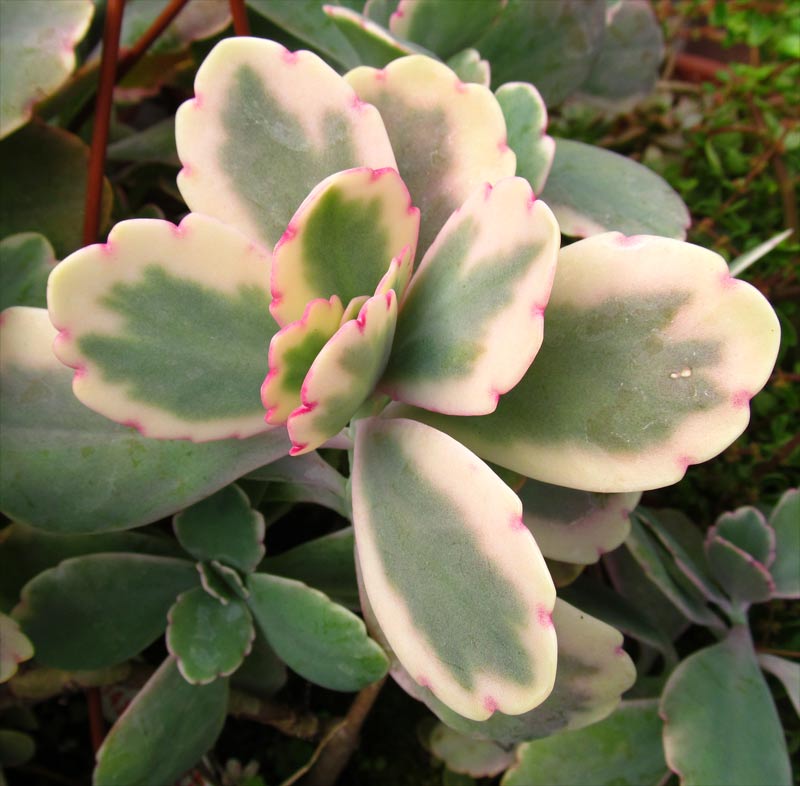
pixel 409 263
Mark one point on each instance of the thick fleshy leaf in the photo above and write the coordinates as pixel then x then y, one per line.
pixel 158 338
pixel 744 578
pixel 552 45
pixel 526 119
pixel 66 469
pixel 344 374
pixel 659 566
pixel 307 21
pixel 444 28
pixel 593 672
pixel 208 639
pixel 456 581
pixel 464 754
pixel 48 168
pixel 25 552
pixel 26 261
pixel 380 11
pixel 223 527
pixel 470 67
pixel 266 125
pixel 305 479
pixel 38 41
pixel 449 136
pixel 575 526
pixel 374 45
pixel 684 541
pixel 651 355
pixel 785 521
pixel 787 671
pixel 320 640
pixel 156 144
pixel 628 61
pixel 341 239
pixel 15 647
pixel 16 747
pixel 292 351
pixel 747 528
pixel 325 563
pixel 262 673
pixel 624 748
pixel 472 320
pixel 592 190
pixel 720 723
pixel 167 727
pixel 97 610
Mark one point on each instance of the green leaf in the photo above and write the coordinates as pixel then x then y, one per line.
pixel 26 261
pixel 160 339
pixel 168 726
pixel 465 754
pixel 325 563
pixel 223 527
pixel 592 190
pixel 48 168
pixel 444 28
pixel 307 20
pixel 26 552
pixel 341 240
pixel 16 747
pixel 100 609
pixel 552 45
pixel 209 639
pixel 747 528
pixel 785 521
pixel 787 671
pixel 469 67
pixel 624 748
pixel 720 725
pixel 526 119
pixel 373 45
pixel 64 468
pixel 156 144
pixel 651 355
pixel 449 136
pixel 264 128
pixel 593 672
pixel 262 673
pixel 320 640
pixel 471 322
pixel 15 647
pixel 575 526
pixel 456 582
pixel 744 578
pixel 628 62
pixel 38 41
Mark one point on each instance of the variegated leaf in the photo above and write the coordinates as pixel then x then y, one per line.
pixel 167 327
pixel 38 41
pixel 15 647
pixel 593 672
pixel 344 374
pixel 464 754
pixel 526 119
pixel 449 137
pixel 651 355
pixel 291 353
pixel 64 468
pixel 576 526
pixel 472 319
pixel 374 45
pixel 266 125
pixel 340 240
pixel 444 28
pixel 457 583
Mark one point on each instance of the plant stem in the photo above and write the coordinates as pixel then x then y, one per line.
pixel 241 26
pixel 102 120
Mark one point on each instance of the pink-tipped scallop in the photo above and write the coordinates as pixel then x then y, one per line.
pixel 741 399
pixel 490 704
pixel 727 280
pixel 502 145
pixel 544 617
pixel 517 524
pixel 632 241
pixel 197 101
pixel 684 462
pixel 290 58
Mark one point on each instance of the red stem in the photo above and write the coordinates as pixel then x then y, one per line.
pixel 241 26
pixel 102 120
